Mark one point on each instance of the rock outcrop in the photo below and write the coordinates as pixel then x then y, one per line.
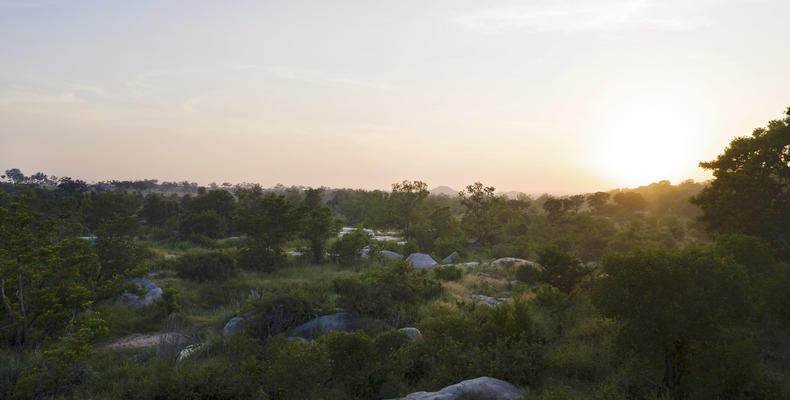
pixel 452 258
pixel 150 293
pixel 390 254
pixel 421 260
pixel 332 322
pixel 484 387
pixel 232 326
pixel 413 333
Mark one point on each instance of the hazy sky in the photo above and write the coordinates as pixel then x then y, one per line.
pixel 557 96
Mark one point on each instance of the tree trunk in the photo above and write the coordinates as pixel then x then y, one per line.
pixel 21 297
pixel 10 313
pixel 674 369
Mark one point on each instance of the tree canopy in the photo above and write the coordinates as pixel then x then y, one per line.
pixel 751 190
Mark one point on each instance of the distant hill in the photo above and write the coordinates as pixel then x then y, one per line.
pixel 445 190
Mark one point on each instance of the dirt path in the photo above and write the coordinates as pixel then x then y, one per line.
pixel 141 341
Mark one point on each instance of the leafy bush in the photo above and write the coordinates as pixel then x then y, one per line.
pixel 348 249
pixel 448 272
pixel 204 266
pixel 392 292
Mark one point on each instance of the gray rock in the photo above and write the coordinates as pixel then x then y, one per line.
pixel 451 259
pixel 515 261
pixel 186 352
pixel 413 333
pixel 421 260
pixel 296 339
pixel 151 292
pixel 332 322
pixel 390 254
pixel 490 301
pixel 232 326
pixel 487 388
pixel 473 264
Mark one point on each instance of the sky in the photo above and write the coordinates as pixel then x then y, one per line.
pixel 539 96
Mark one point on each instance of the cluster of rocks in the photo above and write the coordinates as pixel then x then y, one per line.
pixel 482 387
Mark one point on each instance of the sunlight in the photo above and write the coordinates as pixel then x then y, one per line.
pixel 646 146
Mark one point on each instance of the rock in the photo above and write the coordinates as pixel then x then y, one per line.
pixel 420 260
pixel 413 333
pixel 295 339
pixel 390 254
pixel 188 351
pixel 365 251
pixel 150 291
pixel 451 258
pixel 473 264
pixel 484 387
pixel 490 301
pixel 332 322
pixel 232 326
pixel 294 253
pixel 514 261
pixel 170 256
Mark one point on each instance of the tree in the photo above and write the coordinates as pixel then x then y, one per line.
pixel 750 193
pixel 598 201
pixel 44 282
pixel 555 207
pixel 157 210
pixel 479 219
pixel 319 225
pixel 406 203
pixel 560 269
pixel 630 201
pixel 269 221
pixel 671 302
pixel 118 252
pixel 15 176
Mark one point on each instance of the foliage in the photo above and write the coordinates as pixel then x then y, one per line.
pixel 672 301
pixel 750 193
pixel 319 224
pixel 560 269
pixel 447 272
pixel 202 266
pixel 390 292
pixel 348 249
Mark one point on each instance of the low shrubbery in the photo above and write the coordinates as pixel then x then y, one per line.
pixel 204 266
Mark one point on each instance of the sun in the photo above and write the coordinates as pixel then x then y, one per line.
pixel 645 146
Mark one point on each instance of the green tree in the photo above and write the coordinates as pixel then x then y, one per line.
pixel 319 224
pixel 560 269
pixel 157 210
pixel 479 219
pixel 630 201
pixel 406 204
pixel 44 282
pixel 750 192
pixel 598 201
pixel 269 222
pixel 672 302
pixel 119 254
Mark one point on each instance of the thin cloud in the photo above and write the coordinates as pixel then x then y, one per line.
pixel 576 16
pixel 24 3
pixel 317 77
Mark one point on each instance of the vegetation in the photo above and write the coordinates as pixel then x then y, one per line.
pixel 630 294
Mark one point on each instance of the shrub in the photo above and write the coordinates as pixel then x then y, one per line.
pixel 348 249
pixel 205 266
pixel 448 272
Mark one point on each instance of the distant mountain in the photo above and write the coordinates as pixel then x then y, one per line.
pixel 445 190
